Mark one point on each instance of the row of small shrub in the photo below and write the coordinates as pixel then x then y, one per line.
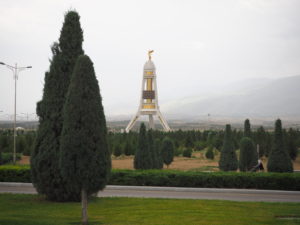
pixel 18 173
pixel 169 178
pixel 269 181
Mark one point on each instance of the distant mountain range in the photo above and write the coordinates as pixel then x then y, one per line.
pixel 259 98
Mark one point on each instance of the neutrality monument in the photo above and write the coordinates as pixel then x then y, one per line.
pixel 149 100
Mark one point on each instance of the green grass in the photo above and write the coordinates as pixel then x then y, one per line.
pixel 33 210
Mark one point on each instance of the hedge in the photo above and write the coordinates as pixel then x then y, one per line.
pixel 15 173
pixel 172 178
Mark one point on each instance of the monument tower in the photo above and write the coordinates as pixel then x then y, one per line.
pixel 149 101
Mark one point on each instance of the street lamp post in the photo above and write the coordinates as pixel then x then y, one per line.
pixel 15 69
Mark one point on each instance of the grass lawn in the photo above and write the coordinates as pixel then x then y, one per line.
pixel 17 209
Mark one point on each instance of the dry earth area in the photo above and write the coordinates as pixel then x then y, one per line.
pixel 197 162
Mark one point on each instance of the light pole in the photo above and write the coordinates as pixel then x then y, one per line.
pixel 15 69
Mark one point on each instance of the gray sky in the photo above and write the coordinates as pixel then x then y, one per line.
pixel 199 45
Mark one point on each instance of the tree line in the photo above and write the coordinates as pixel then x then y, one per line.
pixel 185 142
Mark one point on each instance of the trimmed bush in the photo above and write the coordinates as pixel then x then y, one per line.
pixel 117 150
pixel 167 150
pixel 248 154
pixel 171 178
pixel 187 153
pixel 210 153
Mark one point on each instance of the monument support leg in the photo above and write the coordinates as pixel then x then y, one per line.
pixel 151 122
pixel 132 122
pixel 162 121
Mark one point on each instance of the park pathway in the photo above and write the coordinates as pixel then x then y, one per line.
pixel 175 193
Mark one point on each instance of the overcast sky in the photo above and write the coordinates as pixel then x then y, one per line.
pixel 199 45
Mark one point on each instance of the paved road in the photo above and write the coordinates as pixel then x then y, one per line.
pixel 175 192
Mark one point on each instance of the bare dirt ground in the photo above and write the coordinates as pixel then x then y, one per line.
pixel 198 162
pixel 179 163
pixel 24 160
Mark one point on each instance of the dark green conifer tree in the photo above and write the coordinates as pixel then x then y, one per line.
pixel 187 152
pixel 127 148
pixel 188 141
pixel 210 139
pixel 167 151
pixel 0 156
pixel 279 159
pixel 228 159
pixel 117 150
pixel 248 155
pixel 84 156
pixel 157 148
pixel 152 151
pixel 261 140
pixel 291 143
pixel 142 158
pixel 247 128
pixel 45 169
pixel 210 153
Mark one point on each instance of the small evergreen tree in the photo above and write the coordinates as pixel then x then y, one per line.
pixel 210 153
pixel 261 140
pixel 127 148
pixel 21 144
pixel 142 158
pixel 248 155
pixel 247 128
pixel 279 160
pixel 117 150
pixel 159 164
pixel 187 152
pixel 84 156
pixel 44 164
pixel 291 143
pixel 188 142
pixel 167 151
pixel 228 159
pixel 152 151
pixel 210 139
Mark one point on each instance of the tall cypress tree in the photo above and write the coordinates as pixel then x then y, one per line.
pixel 291 143
pixel 279 160
pixel 247 128
pixel 152 151
pixel 248 153
pixel 261 140
pixel 142 158
pixel 45 158
pixel 84 155
pixel 228 159
pixel 159 164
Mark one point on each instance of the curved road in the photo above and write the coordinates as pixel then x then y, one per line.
pixel 175 192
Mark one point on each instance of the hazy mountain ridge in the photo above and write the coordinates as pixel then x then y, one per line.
pixel 260 98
